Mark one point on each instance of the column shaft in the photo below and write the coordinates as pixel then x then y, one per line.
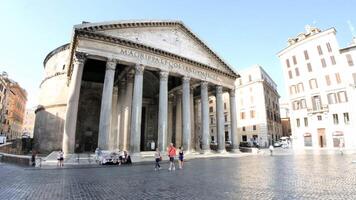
pixel 106 106
pixel 186 114
pixel 72 104
pixel 220 118
pixel 178 125
pixel 126 111
pixel 192 124
pixel 114 120
pixel 233 111
pixel 162 111
pixel 205 116
pixel 136 111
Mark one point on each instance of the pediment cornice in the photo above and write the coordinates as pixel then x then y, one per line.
pixel 129 43
pixel 93 27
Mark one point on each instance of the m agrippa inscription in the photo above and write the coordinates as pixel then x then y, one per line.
pixel 171 65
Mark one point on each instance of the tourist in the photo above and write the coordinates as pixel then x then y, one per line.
pixel 271 149
pixel 125 158
pixel 158 158
pixel 171 154
pixel 60 158
pixel 180 158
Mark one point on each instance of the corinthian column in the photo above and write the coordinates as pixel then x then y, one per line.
pixel 178 125
pixel 205 117
pixel 162 111
pixel 220 118
pixel 234 136
pixel 106 105
pixel 136 111
pixel 186 114
pixel 72 103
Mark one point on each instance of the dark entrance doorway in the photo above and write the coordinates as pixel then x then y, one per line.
pixel 143 125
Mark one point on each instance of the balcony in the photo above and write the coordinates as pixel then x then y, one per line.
pixel 322 109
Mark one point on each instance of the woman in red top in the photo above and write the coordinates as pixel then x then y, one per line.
pixel 171 154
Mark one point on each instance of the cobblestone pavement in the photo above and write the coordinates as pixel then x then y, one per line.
pixel 252 177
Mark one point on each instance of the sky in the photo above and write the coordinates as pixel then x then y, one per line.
pixel 243 33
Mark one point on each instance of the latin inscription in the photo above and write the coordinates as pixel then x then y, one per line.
pixel 172 66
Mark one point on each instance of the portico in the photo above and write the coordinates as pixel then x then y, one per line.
pixel 132 84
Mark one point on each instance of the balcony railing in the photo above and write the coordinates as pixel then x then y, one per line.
pixel 322 109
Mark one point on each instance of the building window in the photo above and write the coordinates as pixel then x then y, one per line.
pixel 313 84
pixel 323 63
pixel 306 56
pixel 309 67
pixel 252 114
pixel 354 77
pixel 305 121
pixel 240 81
pixel 303 103
pixel 290 74
pixel 243 128
pixel 319 50
pixel 337 77
pixel 211 120
pixel 244 138
pixel 249 78
pixel 225 118
pixel 332 58
pixel 332 98
pixel 225 106
pixel 254 127
pixel 349 60
pixel 329 47
pixel 298 122
pixel 335 119
pixel 242 115
pixel 287 62
pixel 319 118
pixel 296 71
pixel 327 79
pixel 346 118
pixel 300 87
pixel 342 97
pixel 316 100
pixel 211 109
pixel 294 60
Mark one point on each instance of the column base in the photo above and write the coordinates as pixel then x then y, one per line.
pixel 206 151
pixel 222 151
pixel 235 151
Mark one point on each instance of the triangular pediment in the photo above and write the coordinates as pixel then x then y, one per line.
pixel 169 36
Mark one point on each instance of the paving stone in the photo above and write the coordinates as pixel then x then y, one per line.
pixel 252 177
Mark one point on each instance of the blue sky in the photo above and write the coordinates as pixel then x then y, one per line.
pixel 243 33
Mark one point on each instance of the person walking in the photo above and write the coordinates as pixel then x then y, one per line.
pixel 60 158
pixel 180 158
pixel 171 154
pixel 271 149
pixel 158 158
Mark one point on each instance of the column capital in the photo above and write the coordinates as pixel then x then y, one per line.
pixel 139 69
pixel 80 57
pixel 219 89
pixel 163 75
pixel 204 85
pixel 232 92
pixel 186 79
pixel 130 76
pixel 111 64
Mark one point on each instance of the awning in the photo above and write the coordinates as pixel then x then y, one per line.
pixel 307 134
pixel 338 133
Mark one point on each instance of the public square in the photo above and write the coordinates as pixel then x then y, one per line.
pixel 288 176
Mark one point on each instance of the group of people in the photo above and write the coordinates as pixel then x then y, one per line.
pixel 172 153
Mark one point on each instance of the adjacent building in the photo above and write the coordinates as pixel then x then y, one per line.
pixel 130 84
pixel 320 81
pixel 3 101
pixel 285 118
pixel 257 107
pixel 14 100
pixel 29 122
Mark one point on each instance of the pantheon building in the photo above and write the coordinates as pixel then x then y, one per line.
pixel 129 85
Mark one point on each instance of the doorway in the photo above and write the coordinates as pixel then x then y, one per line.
pixel 322 139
